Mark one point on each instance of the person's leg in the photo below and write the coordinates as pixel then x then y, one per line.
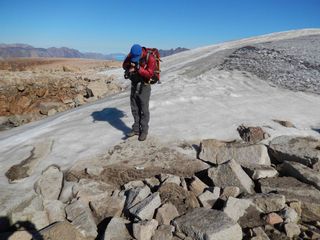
pixel 134 103
pixel 144 98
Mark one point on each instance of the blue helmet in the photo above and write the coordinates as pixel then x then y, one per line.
pixel 135 52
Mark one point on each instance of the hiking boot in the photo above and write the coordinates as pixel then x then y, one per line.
pixel 132 133
pixel 142 137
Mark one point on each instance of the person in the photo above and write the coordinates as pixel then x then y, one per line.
pixel 139 67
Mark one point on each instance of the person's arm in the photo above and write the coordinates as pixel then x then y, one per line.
pixel 149 70
pixel 126 63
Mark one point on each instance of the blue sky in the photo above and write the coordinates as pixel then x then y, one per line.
pixel 114 25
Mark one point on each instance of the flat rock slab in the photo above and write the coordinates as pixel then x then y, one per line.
pixel 208 224
pixel 218 152
pixel 146 208
pixel 260 171
pixel 295 190
pixel 231 174
pixel 304 150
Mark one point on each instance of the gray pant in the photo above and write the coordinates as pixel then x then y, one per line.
pixel 139 101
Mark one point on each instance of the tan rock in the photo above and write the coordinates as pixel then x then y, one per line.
pixel 144 230
pixel 166 213
pixel 273 218
pixel 197 186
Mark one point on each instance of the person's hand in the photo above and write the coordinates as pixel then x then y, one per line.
pixel 131 69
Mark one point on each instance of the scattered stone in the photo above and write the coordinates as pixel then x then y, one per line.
pixel 61 231
pixel 296 205
pixel 208 198
pixel 52 112
pixel 260 171
pixel 197 186
pixel 259 234
pixel 295 149
pixel 218 152
pixel 292 229
pixel 50 183
pixel 269 202
pixel 243 211
pixel 166 213
pixel 55 210
pixel 164 232
pixel 252 134
pixel 45 107
pixel 302 173
pixel 133 184
pixel 153 183
pixel 94 171
pixel 108 206
pixel 171 179
pixel 21 87
pixel 287 124
pixel 289 215
pixel 136 195
pixel 273 218
pixel 81 217
pixel 230 191
pixel 295 190
pixel 117 229
pixel 231 174
pixel 66 194
pixel 144 230
pixel 202 224
pixel 182 199
pixel 146 208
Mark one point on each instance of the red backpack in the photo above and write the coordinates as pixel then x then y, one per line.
pixel 156 76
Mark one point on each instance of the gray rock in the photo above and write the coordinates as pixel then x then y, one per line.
pixel 231 174
pixel 166 213
pixel 45 107
pixel 292 229
pixel 136 195
pixel 164 232
pixel 94 170
pixel 230 191
pixel 269 202
pixel 61 231
pixel 50 183
pixel 171 179
pixel 296 149
pixel 108 206
pixel 260 171
pixel 295 190
pixel 208 198
pixel 81 217
pixel 55 210
pixel 243 211
pixel 133 184
pixel 144 230
pixel 259 234
pixel 219 152
pixel 146 208
pixel 152 183
pixel 208 224
pixel 66 194
pixel 117 229
pixel 302 173
pixel 289 215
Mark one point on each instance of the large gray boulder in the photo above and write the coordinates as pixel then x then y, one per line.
pixel 146 208
pixel 81 217
pixel 231 174
pixel 208 224
pixel 269 202
pixel 302 173
pixel 304 150
pixel 295 190
pixel 50 183
pixel 218 152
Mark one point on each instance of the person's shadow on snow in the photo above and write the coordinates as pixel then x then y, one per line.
pixel 113 117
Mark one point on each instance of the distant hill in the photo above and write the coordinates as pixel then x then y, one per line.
pixel 25 50
pixel 165 53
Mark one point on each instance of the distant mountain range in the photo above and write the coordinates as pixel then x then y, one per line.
pixel 25 50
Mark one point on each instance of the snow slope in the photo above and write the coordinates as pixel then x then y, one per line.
pixel 195 101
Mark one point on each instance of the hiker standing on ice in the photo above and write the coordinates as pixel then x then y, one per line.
pixel 139 67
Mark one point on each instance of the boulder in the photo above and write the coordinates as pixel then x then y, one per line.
pixel 166 213
pixel 133 184
pixel 61 231
pixel 218 152
pixel 252 134
pixel 259 234
pixel 146 208
pixel 230 191
pixel 81 217
pixel 66 194
pixel 269 202
pixel 197 186
pixel 243 211
pixel 208 198
pixel 295 149
pixel 208 224
pixel 117 229
pixel 260 171
pixel 231 174
pixel 45 107
pixel 289 215
pixel 144 230
pixel 292 229
pixel 164 232
pixel 301 172
pixel 108 206
pixel 136 195
pixel 50 183
pixel 295 190
pixel 55 210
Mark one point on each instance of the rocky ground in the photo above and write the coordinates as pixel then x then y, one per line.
pixel 32 89
pixel 251 189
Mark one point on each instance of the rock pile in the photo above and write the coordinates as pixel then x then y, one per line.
pixel 244 194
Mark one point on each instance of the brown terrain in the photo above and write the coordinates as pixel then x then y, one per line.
pixel 33 88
